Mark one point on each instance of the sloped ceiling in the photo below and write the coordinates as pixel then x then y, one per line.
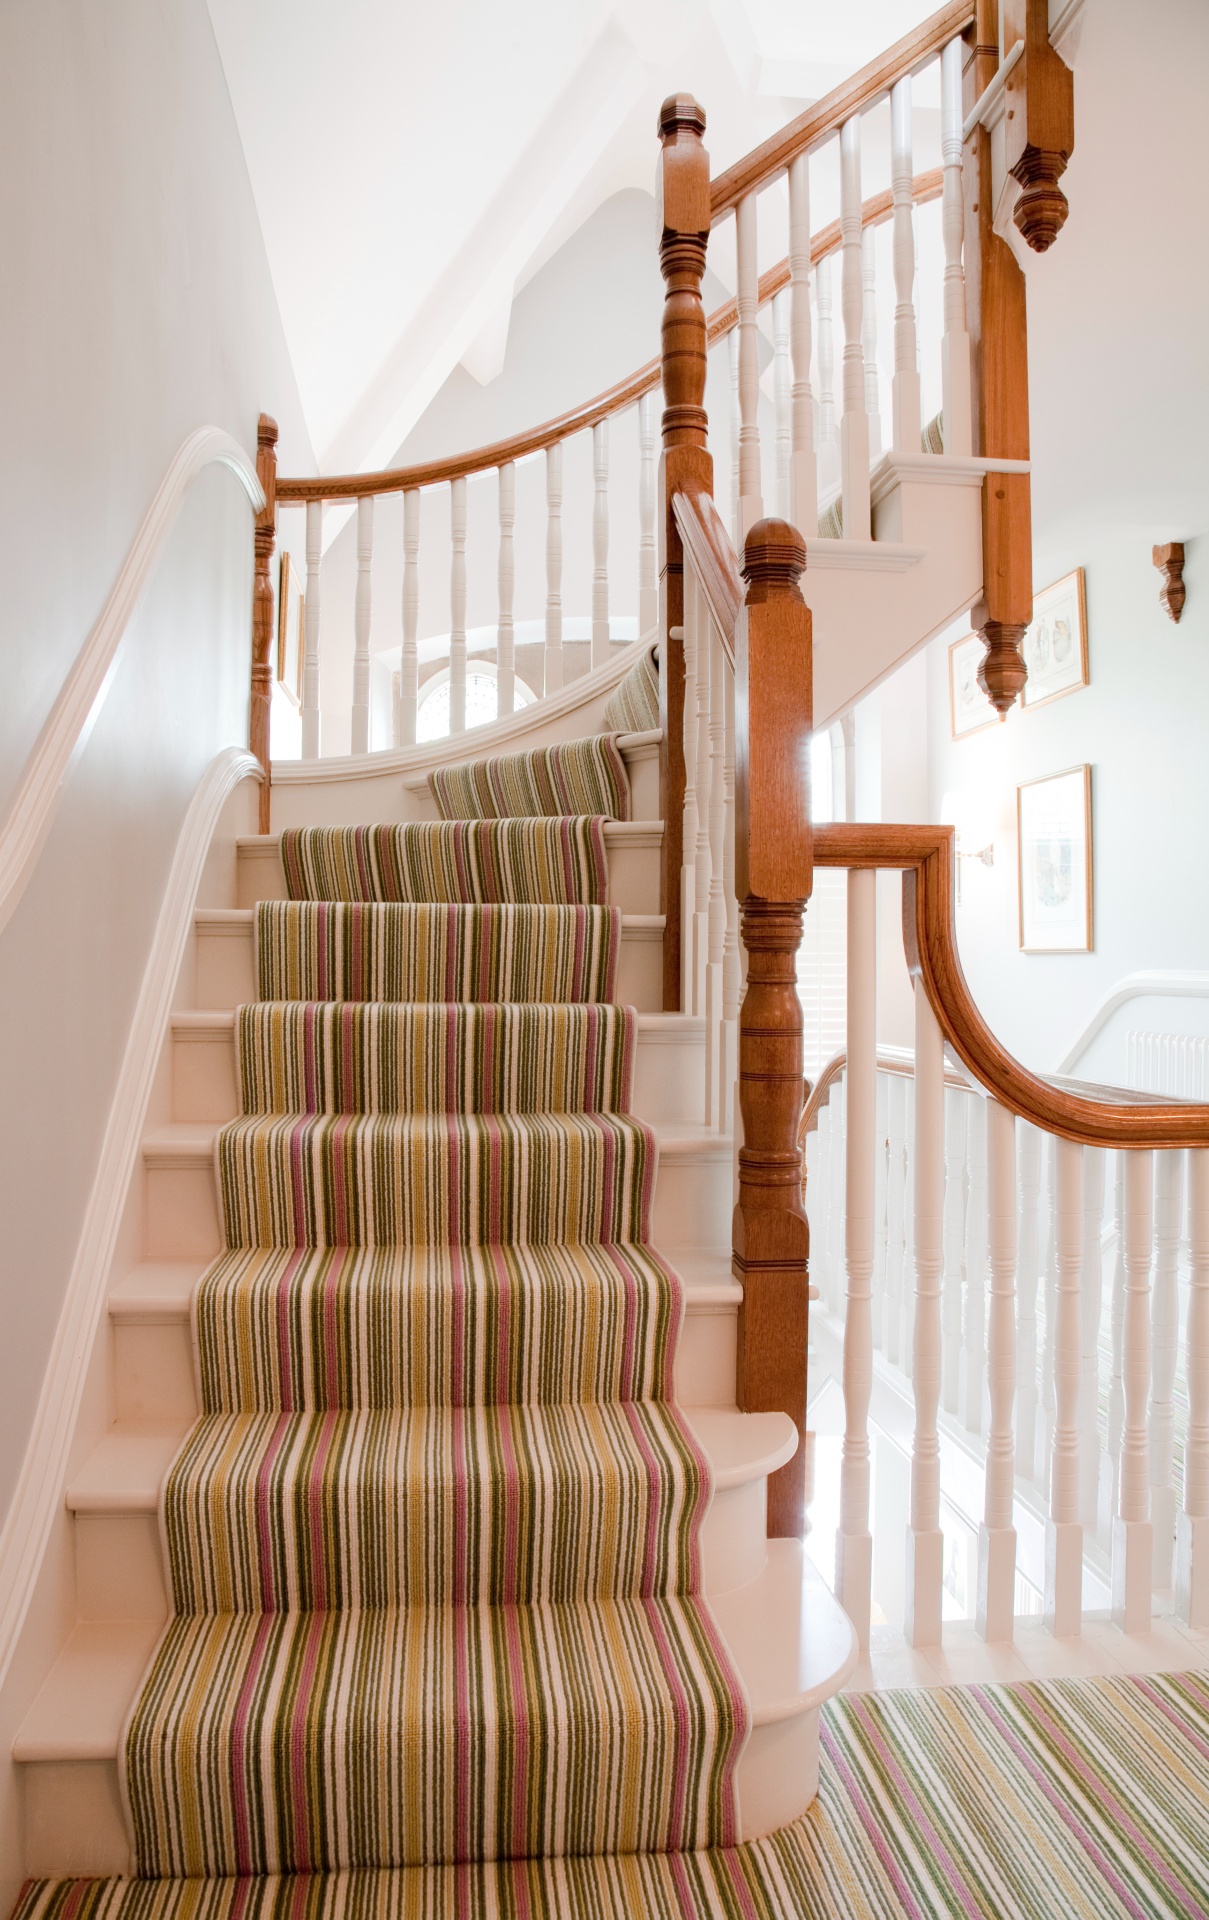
pixel 415 164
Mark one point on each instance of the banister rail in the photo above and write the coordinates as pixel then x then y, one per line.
pixel 925 856
pixel 828 115
pixel 714 563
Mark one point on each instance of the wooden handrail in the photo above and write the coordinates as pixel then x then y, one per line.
pixel 715 563
pixel 615 399
pixel 925 855
pixel 827 115
pixel 889 1060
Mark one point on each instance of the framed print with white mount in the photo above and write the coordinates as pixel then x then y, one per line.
pixel 1053 816
pixel 1055 645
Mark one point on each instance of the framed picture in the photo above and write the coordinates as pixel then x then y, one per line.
pixel 1055 645
pixel 969 709
pixel 1054 821
pixel 291 630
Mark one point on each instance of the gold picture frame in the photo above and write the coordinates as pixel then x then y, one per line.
pixel 1055 865
pixel 1055 644
pixel 969 708
pixel 291 630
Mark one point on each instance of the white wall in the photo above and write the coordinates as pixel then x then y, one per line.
pixel 135 306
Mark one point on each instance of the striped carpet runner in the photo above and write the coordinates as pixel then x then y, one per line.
pixel 433 1540
pixel 1063 1800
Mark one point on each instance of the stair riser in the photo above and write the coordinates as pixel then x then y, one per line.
pixel 633 873
pixel 226 973
pixel 669 1077
pixel 778 1773
pixel 153 1373
pixel 692 1201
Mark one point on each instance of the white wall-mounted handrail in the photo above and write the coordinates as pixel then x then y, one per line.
pixel 82 695
pixel 1160 984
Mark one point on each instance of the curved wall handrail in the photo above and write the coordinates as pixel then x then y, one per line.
pixel 714 561
pixel 82 695
pixel 925 187
pixel 828 115
pixel 1134 986
pixel 925 854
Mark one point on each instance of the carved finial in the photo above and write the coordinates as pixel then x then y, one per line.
pixel 1002 673
pixel 680 112
pixel 1040 212
pixel 266 431
pixel 774 560
pixel 1169 558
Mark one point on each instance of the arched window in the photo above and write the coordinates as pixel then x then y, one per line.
pixel 432 716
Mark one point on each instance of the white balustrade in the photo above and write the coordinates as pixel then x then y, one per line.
pixel 1091 1315
pixel 409 660
pixel 731 958
pixel 1064 1531
pixel 600 543
pixel 361 624
pixel 505 641
pixel 854 421
pixel 751 506
pixel 1192 1534
pixel 973 1329
pixel 648 581
pixel 925 1541
pixel 782 389
pixel 954 1244
pixel 310 665
pixel 955 347
pixel 1027 1276
pixel 554 568
pixel 997 1536
pixel 1110 1479
pixel 905 399
pixel 1164 1353
pixel 873 404
pixel 826 332
pixel 896 1174
pixel 688 635
pixel 854 1542
pixel 716 905
pixel 457 606
pixel 732 362
pixel 701 770
pixel 803 487
pixel 1132 1540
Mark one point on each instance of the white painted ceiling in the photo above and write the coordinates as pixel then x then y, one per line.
pixel 414 165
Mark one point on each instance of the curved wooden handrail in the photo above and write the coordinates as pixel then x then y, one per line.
pixel 625 393
pixel 889 1060
pixel 925 855
pixel 715 562
pixel 828 115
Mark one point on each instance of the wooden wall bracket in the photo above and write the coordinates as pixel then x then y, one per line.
pixel 1169 559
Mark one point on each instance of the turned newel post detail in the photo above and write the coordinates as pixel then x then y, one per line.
pixel 684 464
pixel 1039 122
pixel 773 874
pixel 262 606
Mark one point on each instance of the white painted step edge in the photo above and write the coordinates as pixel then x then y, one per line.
pixel 237 922
pixel 639 833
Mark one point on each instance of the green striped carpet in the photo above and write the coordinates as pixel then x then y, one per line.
pixel 1068 1800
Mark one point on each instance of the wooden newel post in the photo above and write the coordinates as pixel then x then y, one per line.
pixel 262 607
pixel 773 878
pixel 1039 123
pixel 684 464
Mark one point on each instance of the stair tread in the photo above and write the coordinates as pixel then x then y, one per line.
pixel 788 1636
pixel 239 919
pixel 176 1140
pixel 742 1446
pixel 685 1029
pixel 792 1644
pixel 266 844
pixel 124 1471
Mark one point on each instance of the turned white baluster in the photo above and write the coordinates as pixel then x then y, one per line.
pixel 879 1219
pixel 782 398
pixel 803 470
pixel 1110 1487
pixel 396 709
pixel 1090 1316
pixel 1192 1535
pixel 1132 1536
pixel 716 907
pixel 310 665
pixel 955 347
pixel 1028 1160
pixel 835 1213
pixel 997 1535
pixel 906 402
pixel 648 582
pixel 600 543
pixel 973 1331
pixel 409 660
pixel 873 403
pixel 1049 1275
pixel 457 606
pixel 732 361
pixel 702 864
pixel 1164 1352
pixel 896 1173
pixel 751 505
pixel 731 963
pixel 1063 1533
pixel 954 1243
pixel 505 657
pixel 854 422
pixel 853 1541
pixel 554 568
pixel 361 620
pixel 823 314
pixel 925 1541
pixel 688 634
pixel 906 1333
